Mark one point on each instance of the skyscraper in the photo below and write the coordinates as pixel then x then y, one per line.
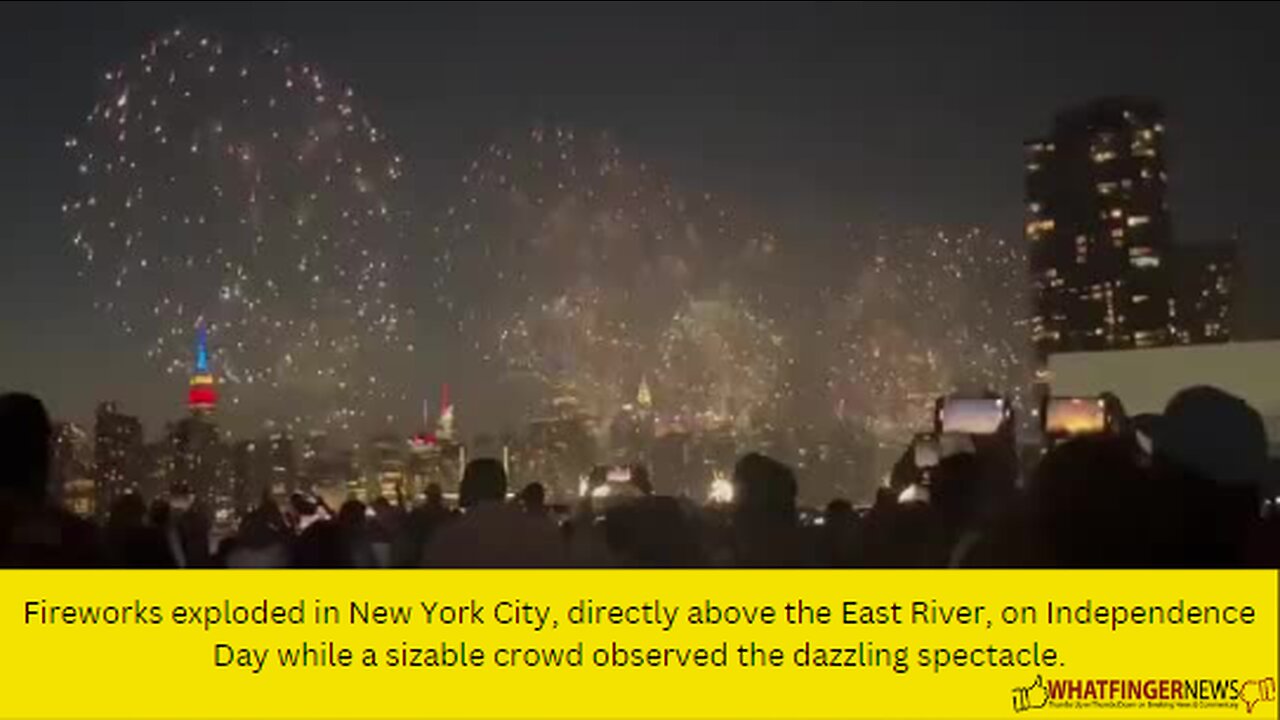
pixel 202 395
pixel 73 469
pixel 1203 280
pixel 1099 230
pixel 118 454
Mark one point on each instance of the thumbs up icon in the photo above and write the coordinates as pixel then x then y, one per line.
pixel 1031 697
pixel 1256 691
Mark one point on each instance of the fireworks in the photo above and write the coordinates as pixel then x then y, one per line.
pixel 245 192
pixel 722 362
pixel 569 263
pixel 925 315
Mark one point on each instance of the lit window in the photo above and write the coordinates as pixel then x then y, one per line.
pixel 1146 174
pixel 1117 233
pixel 1033 167
pixel 1081 241
pixel 1036 228
pixel 1116 213
pixel 1139 299
pixel 1145 261
pixel 1051 273
pixel 1103 156
pixel 1136 220
pixel 1035 207
pixel 1158 127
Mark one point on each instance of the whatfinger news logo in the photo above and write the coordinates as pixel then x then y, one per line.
pixel 1109 693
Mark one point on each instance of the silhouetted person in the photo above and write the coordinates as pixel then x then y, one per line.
pixel 1210 459
pixel 956 499
pixel 353 521
pixel 420 524
pixel 131 541
pixel 33 532
pixel 765 522
pixel 653 532
pixel 838 537
pixel 322 545
pixel 492 533
pixel 193 529
pixel 534 499
pixel 262 541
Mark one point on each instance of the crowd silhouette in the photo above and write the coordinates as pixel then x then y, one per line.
pixel 1185 489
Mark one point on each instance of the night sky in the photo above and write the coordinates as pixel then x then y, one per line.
pixel 807 117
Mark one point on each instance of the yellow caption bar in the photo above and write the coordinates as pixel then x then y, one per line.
pixel 767 644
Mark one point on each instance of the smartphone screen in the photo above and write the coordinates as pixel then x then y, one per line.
pixel 972 416
pixel 1074 416
pixel 927 452
pixel 618 474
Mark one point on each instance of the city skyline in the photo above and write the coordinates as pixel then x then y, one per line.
pixel 911 197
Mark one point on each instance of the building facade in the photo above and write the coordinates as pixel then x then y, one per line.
pixel 1098 229
pixel 119 455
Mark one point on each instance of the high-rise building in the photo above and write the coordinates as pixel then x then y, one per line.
pixel 1099 230
pixel 73 469
pixel 202 395
pixel 385 470
pixel 201 468
pixel 1203 280
pixel 447 427
pixel 280 463
pixel 119 456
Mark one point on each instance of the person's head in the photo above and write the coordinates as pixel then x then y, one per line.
pixel 25 445
pixel 483 481
pixel 127 510
pixel 764 488
pixel 434 495
pixel 160 512
pixel 839 511
pixel 352 514
pixel 534 498
pixel 956 485
pixel 1091 504
pixel 1213 436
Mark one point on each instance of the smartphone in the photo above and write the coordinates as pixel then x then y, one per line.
pixel 928 453
pixel 971 416
pixel 1074 416
pixel 618 474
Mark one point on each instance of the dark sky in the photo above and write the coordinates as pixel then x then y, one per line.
pixel 809 115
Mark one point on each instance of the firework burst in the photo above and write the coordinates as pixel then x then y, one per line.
pixel 242 190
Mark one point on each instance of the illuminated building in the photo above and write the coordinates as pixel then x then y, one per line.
pixel 246 478
pixel 1203 293
pixel 447 428
pixel 119 456
pixel 1098 229
pixel 202 396
pixel 201 468
pixel 385 473
pixel 279 462
pixel 73 469
pixel 632 431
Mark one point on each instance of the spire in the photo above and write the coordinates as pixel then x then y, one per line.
pixel 202 351
pixel 644 398
pixel 202 396
pixel 445 431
